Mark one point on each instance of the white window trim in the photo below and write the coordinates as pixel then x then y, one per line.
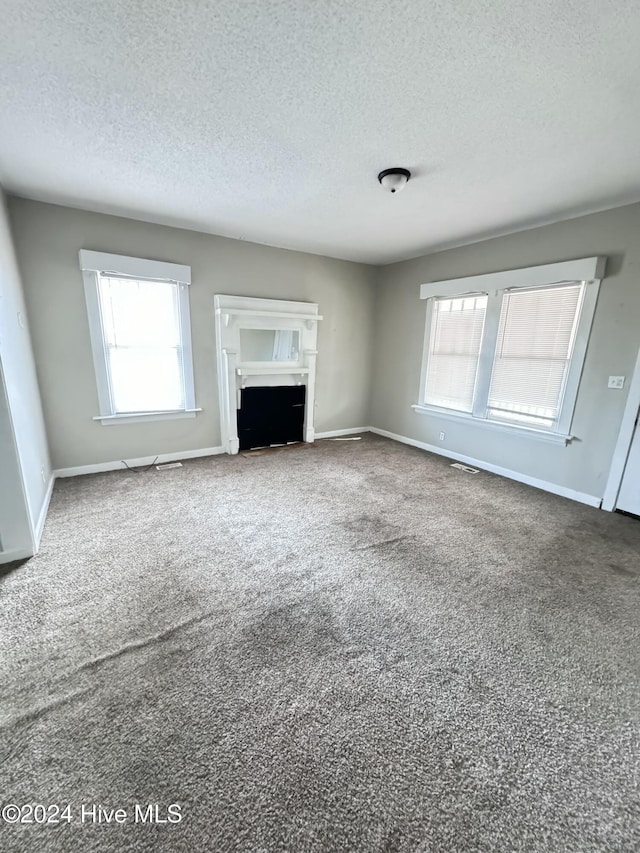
pixel 589 271
pixel 141 417
pixel 583 269
pixel 92 265
pixel 499 426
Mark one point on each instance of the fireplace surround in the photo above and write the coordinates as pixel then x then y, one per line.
pixel 265 344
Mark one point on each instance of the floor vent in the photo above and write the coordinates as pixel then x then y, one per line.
pixel 165 465
pixel 466 468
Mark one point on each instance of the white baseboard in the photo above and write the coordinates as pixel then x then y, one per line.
pixel 35 530
pixel 334 433
pixel 17 554
pixel 141 461
pixel 555 489
pixel 42 517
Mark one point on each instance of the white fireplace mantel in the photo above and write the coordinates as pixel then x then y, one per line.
pixel 234 313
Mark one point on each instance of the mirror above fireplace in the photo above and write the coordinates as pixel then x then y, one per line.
pixel 263 345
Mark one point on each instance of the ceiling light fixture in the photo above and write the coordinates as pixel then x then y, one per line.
pixel 395 179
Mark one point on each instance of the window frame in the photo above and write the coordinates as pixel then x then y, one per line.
pixel 588 271
pixel 427 345
pixel 95 264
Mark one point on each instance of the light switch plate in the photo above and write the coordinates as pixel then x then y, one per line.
pixel 616 382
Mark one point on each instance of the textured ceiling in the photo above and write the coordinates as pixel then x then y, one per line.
pixel 269 120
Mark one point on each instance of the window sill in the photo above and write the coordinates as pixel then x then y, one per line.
pixel 145 417
pixel 514 429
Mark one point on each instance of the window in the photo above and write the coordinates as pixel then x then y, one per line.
pixel 512 353
pixel 533 353
pixel 140 333
pixel 454 350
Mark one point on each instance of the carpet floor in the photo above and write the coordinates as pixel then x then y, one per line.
pixel 349 646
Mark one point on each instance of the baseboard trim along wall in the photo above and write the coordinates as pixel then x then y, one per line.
pixel 18 554
pixel 555 489
pixel 42 517
pixel 101 467
pixel 34 529
pixel 336 433
pixel 141 461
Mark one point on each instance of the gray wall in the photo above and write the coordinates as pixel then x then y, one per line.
pixel 24 458
pixel 400 321
pixel 48 238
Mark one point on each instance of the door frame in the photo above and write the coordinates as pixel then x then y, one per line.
pixel 623 443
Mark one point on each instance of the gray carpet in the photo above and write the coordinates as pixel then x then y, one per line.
pixel 345 647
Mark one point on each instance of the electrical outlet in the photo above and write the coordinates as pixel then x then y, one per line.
pixel 441 436
pixel 616 382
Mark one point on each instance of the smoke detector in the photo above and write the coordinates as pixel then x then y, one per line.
pixel 394 179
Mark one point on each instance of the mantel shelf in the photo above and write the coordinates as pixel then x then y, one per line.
pixel 287 315
pixel 270 371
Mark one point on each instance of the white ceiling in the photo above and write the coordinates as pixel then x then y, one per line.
pixel 269 120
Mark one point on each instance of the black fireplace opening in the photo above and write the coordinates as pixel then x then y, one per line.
pixel 271 415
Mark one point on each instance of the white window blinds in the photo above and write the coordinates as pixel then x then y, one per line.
pixel 533 353
pixel 454 349
pixel 143 343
